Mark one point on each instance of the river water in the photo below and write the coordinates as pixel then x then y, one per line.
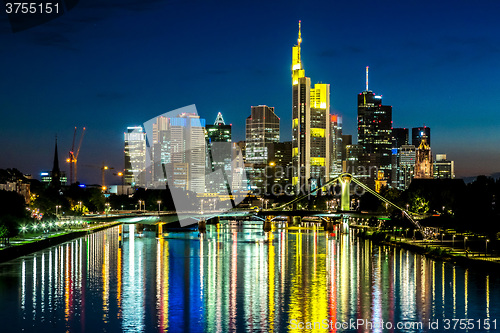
pixel 239 279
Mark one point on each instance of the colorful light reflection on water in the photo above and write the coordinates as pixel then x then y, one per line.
pixel 237 278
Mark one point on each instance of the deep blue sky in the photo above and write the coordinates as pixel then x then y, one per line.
pixel 108 66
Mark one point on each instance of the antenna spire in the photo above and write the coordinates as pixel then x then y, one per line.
pixel 366 78
pixel 299 39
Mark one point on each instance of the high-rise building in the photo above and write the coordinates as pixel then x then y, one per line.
pixel 310 127
pixel 336 144
pixel 262 127
pixel 423 163
pixel 443 168
pixel 375 129
pixel 279 167
pixel 403 166
pixel 220 151
pixel 219 131
pixel 179 152
pixel 346 141
pixel 399 137
pixel 135 156
pixel 417 133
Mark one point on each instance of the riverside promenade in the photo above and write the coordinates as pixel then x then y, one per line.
pixel 26 243
pixel 461 248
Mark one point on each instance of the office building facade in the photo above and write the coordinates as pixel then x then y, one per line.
pixel 403 166
pixel 135 157
pixel 443 168
pixel 262 128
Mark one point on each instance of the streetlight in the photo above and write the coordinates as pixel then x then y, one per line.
pixel 159 203
pixel 140 205
pixel 57 207
pixel 107 208
pixel 486 250
pixel 453 241
pixel 465 242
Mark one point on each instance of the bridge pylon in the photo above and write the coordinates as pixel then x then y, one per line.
pixel 267 223
pixel 345 195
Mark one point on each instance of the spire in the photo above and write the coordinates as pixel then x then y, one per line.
pixel 219 120
pixel 297 70
pixel 366 78
pixel 299 40
pixel 56 172
pixel 55 166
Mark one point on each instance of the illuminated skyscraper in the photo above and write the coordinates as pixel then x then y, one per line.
pixel 135 156
pixel 310 127
pixel 179 149
pixel 375 129
pixel 219 150
pixel 403 166
pixel 335 145
pixel 262 127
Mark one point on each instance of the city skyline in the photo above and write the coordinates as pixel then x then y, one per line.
pixel 91 69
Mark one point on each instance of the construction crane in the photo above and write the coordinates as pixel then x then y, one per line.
pixel 73 157
pixel 103 169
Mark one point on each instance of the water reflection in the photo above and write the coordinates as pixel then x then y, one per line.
pixel 236 278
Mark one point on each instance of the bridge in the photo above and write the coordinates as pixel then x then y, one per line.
pixel 268 216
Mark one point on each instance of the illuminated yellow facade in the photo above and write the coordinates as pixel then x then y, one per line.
pixel 310 125
pixel 297 70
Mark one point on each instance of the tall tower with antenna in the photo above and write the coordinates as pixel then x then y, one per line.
pixel 310 126
pixel 374 134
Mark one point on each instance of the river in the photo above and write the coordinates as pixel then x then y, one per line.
pixel 238 279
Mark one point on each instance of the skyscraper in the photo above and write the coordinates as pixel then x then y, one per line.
pixel 262 127
pixel 417 133
pixel 335 145
pixel 219 131
pixel 375 129
pixel 399 137
pixel 403 166
pixel 179 152
pixel 310 126
pixel 135 156
pixel 278 177
pixel 219 150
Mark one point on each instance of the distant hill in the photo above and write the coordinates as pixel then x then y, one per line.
pixel 468 180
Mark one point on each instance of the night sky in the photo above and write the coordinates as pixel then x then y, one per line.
pixel 112 65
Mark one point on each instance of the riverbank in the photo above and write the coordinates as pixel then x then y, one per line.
pixel 24 247
pixel 433 249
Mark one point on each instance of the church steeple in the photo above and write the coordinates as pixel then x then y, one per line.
pixel 56 172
